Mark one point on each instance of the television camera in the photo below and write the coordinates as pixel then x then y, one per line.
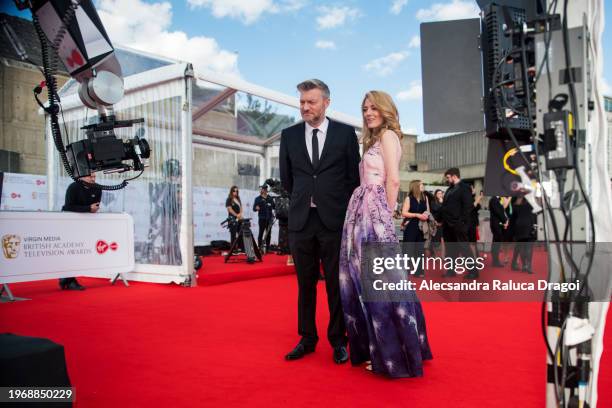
pixel 72 31
pixel 244 238
pixel 281 210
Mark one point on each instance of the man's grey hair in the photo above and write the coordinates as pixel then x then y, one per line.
pixel 314 84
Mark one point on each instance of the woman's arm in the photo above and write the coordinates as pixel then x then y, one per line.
pixel 240 212
pixel 406 208
pixel 390 144
pixel 231 211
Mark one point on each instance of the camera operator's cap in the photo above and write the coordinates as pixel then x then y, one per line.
pixel 264 186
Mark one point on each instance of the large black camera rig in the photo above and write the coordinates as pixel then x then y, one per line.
pixel 67 30
pixel 281 205
pixel 244 237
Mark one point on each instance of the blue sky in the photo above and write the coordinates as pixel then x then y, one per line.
pixel 352 45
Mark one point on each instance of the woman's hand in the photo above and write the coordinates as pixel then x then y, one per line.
pixel 423 217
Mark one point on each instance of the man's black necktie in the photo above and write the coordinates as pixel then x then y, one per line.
pixel 315 148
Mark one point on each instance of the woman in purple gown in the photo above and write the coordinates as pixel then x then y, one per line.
pixel 389 336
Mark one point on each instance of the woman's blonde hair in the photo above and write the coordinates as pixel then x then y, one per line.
pixel 414 189
pixel 385 105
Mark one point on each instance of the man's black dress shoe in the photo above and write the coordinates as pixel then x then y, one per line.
pixel 75 285
pixel 340 355
pixel 299 351
pixel 471 275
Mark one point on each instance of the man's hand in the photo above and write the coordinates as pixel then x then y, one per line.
pixel 506 225
pixel 256 208
pixel 94 207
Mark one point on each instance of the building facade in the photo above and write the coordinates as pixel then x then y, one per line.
pixel 22 128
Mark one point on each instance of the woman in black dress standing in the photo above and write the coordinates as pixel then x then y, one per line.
pixel 234 212
pixel 415 210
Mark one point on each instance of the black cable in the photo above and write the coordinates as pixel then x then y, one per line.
pixel 560 396
pixel 576 114
pixel 547 40
pixel 546 203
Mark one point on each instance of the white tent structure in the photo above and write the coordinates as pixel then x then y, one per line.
pixel 207 132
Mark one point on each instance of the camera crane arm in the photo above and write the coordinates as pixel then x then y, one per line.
pixel 76 33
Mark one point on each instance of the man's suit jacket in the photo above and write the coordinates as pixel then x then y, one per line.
pixel 457 205
pixel 498 215
pixel 330 184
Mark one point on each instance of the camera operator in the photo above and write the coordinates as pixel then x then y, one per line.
pixel 80 198
pixel 264 205
pixel 234 212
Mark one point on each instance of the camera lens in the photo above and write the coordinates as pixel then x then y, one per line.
pixel 145 150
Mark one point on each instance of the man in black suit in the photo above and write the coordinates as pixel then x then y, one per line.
pixel 456 214
pixel 498 222
pixel 319 167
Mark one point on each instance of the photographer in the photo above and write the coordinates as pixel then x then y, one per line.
pixel 83 199
pixel 234 212
pixel 264 205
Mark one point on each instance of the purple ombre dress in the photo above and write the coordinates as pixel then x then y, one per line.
pixel 392 335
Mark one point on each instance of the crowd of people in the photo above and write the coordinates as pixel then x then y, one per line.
pixel 452 216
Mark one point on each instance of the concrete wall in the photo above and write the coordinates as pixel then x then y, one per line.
pixel 463 149
pixel 22 129
pixel 409 143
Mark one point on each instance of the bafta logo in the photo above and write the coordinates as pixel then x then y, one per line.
pixel 10 245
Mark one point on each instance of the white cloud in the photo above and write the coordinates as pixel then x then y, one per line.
pixel 456 9
pixel 605 87
pixel 331 17
pixel 247 11
pixel 383 66
pixel 415 42
pixel 146 27
pixel 413 93
pixel 325 45
pixel 397 6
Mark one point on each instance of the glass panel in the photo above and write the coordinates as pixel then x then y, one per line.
pixel 203 92
pixel 154 199
pixel 249 116
pixel 133 62
pixel 261 118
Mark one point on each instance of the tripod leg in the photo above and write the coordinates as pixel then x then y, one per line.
pixel 231 250
pixel 256 249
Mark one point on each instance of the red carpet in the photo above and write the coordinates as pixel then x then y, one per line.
pixel 165 345
pixel 215 271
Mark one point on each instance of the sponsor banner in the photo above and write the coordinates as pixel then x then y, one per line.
pixel 24 192
pixel 45 245
pixel 28 192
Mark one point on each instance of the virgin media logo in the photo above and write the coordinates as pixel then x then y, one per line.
pixel 75 59
pixel 102 246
